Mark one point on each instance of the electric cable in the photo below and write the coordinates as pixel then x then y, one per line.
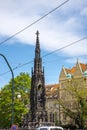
pixel 33 22
pixel 70 44
pixel 19 66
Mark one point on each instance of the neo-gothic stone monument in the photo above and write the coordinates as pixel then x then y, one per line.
pixel 38 112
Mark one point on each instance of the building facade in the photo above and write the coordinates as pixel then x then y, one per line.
pixel 76 76
pixel 52 105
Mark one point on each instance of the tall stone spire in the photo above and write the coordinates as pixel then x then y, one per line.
pixel 37 50
pixel 37 93
pixel 37 60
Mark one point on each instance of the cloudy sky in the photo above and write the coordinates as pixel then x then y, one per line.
pixel 64 26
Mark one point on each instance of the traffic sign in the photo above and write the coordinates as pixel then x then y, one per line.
pixel 14 127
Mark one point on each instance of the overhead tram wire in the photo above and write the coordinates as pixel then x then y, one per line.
pixel 34 22
pixel 17 67
pixel 65 46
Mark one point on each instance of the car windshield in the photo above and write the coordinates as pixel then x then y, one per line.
pixel 50 129
pixel 55 129
pixel 43 129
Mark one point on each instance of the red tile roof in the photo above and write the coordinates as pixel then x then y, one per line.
pixel 52 89
pixel 73 69
pixel 83 66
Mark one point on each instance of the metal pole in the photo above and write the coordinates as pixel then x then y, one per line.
pixel 12 86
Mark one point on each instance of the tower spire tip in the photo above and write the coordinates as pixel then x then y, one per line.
pixel 37 33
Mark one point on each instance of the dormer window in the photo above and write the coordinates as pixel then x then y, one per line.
pixel 69 76
pixel 85 74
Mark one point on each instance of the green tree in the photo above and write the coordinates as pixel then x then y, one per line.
pixel 22 85
pixel 74 103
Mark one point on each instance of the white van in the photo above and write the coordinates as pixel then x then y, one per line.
pixel 49 128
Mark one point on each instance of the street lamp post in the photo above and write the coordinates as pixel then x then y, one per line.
pixel 12 86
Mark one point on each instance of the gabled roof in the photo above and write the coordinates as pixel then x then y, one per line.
pixel 83 67
pixel 73 69
pixel 70 71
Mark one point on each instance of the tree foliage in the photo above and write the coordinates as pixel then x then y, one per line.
pixel 74 103
pixel 21 100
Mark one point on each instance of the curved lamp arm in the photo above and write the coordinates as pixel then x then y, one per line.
pixel 12 86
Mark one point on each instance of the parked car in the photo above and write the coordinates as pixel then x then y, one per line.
pixel 49 128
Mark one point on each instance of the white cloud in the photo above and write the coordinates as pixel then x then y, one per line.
pixel 84 12
pixel 77 49
pixel 56 30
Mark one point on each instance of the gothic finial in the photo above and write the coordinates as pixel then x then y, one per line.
pixel 37 33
